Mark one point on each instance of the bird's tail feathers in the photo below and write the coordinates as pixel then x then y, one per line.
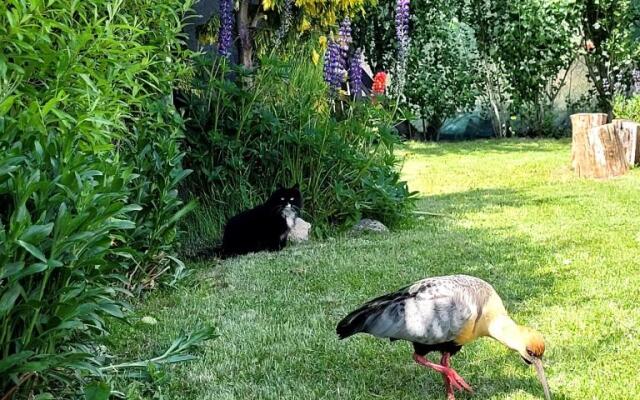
pixel 356 321
pixel 352 323
pixel 367 316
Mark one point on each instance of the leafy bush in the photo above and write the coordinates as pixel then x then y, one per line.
pixel 89 169
pixel 443 65
pixel 607 33
pixel 502 54
pixel 442 77
pixel 305 14
pixel 627 107
pixel 280 130
pixel 539 120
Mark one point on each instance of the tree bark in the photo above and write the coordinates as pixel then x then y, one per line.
pixel 629 134
pixel 580 125
pixel 496 115
pixel 597 149
pixel 246 43
pixel 594 13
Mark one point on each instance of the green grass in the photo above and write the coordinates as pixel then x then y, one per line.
pixel 562 252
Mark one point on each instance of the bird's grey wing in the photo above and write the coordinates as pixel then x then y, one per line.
pixel 386 310
pixel 433 311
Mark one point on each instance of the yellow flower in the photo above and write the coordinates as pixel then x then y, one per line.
pixel 305 24
pixel 329 18
pixel 323 41
pixel 267 4
pixel 315 57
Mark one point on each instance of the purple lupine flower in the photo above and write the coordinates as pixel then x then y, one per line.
pixel 402 26
pixel 344 39
pixel 225 35
pixel 327 68
pixel 333 71
pixel 355 73
pixel 402 35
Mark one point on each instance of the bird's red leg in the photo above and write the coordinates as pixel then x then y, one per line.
pixel 456 380
pixel 448 386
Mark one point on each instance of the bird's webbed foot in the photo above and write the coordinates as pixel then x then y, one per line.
pixel 451 378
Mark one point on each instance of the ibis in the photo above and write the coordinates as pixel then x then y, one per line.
pixel 441 314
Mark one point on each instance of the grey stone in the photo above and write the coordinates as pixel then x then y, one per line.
pixel 370 225
pixel 300 231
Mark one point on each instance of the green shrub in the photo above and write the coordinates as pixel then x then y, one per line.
pixel 627 107
pixel 539 121
pixel 89 169
pixel 242 143
pixel 469 53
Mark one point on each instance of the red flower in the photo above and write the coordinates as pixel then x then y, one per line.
pixel 379 83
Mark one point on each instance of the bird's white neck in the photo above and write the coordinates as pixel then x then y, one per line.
pixel 504 330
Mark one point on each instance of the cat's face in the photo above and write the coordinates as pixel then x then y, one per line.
pixel 286 198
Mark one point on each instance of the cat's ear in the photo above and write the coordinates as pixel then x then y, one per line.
pixel 296 186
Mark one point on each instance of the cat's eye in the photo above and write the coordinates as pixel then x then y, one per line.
pixel 291 199
pixel 282 198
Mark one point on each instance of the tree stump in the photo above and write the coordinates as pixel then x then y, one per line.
pixel 597 151
pixel 580 125
pixel 629 134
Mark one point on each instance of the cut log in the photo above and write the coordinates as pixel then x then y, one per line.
pixel 597 151
pixel 580 125
pixel 629 134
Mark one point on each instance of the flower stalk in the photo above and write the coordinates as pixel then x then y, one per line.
pixel 402 35
pixel 225 34
pixel 333 70
pixel 355 73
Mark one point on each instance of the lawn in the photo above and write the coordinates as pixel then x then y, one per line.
pixel 562 252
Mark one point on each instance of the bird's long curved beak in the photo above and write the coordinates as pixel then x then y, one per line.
pixel 543 379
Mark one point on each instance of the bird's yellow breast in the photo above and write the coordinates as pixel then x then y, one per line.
pixel 468 333
pixel 479 325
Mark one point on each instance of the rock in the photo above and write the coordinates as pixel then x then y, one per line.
pixel 370 225
pixel 300 231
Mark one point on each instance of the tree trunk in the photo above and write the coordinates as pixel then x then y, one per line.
pixel 598 28
pixel 246 44
pixel 580 125
pixel 597 149
pixel 496 115
pixel 493 95
pixel 629 134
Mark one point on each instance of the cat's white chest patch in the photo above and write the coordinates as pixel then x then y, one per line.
pixel 291 221
pixel 290 216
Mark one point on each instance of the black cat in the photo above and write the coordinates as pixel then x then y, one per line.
pixel 264 227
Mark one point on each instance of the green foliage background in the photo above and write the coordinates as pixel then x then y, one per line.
pixel 506 58
pixel 89 169
pixel 276 127
pixel 95 159
pixel 627 108
pixel 91 162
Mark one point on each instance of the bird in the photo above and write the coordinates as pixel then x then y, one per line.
pixel 442 314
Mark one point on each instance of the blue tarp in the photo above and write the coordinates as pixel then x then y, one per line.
pixel 466 126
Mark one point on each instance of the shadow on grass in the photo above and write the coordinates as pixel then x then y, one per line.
pixel 443 246
pixel 478 200
pixel 486 146
pixel 474 200
pixel 514 264
pixel 399 379
pixel 276 313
